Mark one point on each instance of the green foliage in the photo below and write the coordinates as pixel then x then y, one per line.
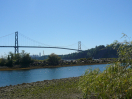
pixel 98 52
pixel 82 59
pixel 113 83
pixel 2 62
pixel 17 58
pixel 53 59
pixel 23 59
pixel 89 59
pixel 9 63
pixel 11 55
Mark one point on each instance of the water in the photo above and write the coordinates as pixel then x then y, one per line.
pixel 15 77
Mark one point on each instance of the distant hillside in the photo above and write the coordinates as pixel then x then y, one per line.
pixel 96 53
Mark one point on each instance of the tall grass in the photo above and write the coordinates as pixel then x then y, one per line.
pixel 113 83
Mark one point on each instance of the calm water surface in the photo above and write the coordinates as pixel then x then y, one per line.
pixel 15 77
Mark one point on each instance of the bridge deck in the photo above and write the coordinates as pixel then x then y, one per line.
pixel 41 47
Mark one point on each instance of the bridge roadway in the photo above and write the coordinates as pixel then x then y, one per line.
pixel 42 47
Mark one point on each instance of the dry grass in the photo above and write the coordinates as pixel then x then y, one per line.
pixel 66 88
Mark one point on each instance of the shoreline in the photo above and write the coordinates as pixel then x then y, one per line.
pixel 39 82
pixel 42 88
pixel 67 88
pixel 38 67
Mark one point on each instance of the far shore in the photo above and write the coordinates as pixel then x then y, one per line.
pixel 36 67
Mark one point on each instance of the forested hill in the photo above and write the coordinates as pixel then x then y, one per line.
pixel 100 51
pixel 96 53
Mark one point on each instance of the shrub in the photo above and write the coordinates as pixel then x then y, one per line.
pixel 53 59
pixel 113 83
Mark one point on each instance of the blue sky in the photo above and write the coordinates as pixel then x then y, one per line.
pixel 63 23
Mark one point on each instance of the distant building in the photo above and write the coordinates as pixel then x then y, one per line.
pixel 34 56
pixel 39 54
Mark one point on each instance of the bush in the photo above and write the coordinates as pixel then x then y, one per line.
pixel 113 83
pixel 53 59
pixel 9 63
pixel 25 60
pixel 2 62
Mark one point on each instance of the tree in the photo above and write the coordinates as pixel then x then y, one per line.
pixel 9 63
pixel 22 59
pixel 53 59
pixel 17 58
pixel 11 55
pixel 124 52
pixel 25 59
pixel 2 62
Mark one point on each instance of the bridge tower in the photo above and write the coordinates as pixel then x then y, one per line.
pixel 16 42
pixel 79 45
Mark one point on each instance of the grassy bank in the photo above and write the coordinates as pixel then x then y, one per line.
pixel 35 67
pixel 66 88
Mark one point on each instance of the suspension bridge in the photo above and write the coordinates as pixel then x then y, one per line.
pixel 16 46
